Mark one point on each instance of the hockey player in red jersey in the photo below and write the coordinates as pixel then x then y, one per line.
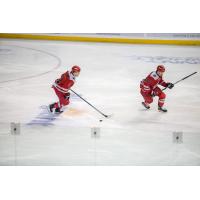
pixel 149 88
pixel 61 88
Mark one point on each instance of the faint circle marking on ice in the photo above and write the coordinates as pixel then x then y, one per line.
pixel 165 59
pixel 6 50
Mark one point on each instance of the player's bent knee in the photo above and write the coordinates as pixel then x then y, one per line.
pixel 66 102
pixel 162 95
pixel 150 100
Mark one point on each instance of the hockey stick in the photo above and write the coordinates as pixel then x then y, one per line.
pixel 181 80
pixel 107 116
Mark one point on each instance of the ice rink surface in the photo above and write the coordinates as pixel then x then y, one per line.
pixel 110 78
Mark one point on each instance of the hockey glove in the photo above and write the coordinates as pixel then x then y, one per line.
pixel 57 81
pixel 170 85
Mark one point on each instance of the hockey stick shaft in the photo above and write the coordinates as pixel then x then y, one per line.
pixel 182 79
pixel 89 103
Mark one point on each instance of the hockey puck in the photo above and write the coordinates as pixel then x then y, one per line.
pixel 100 120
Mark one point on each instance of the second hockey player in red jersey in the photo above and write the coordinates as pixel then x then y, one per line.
pixel 149 88
pixel 61 88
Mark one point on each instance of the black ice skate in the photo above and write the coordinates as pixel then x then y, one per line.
pixel 145 105
pixel 58 111
pixel 51 107
pixel 162 109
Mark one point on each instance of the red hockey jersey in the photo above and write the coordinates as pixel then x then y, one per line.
pixel 150 83
pixel 64 83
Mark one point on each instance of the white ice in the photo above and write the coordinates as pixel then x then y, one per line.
pixel 109 79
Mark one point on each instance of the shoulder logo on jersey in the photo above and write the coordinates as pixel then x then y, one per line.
pixel 154 75
pixel 72 77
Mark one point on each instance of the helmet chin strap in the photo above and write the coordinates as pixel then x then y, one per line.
pixel 158 74
pixel 73 74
